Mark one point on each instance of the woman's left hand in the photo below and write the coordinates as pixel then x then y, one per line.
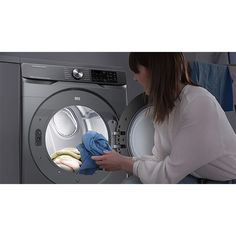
pixel 110 161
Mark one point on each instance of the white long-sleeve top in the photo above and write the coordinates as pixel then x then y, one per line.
pixel 197 139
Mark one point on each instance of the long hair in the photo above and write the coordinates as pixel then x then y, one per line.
pixel 166 70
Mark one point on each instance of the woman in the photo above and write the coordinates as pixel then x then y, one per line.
pixel 193 139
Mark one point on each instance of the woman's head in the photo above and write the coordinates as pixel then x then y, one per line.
pixel 161 75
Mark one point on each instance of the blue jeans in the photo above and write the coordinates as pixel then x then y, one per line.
pixel 189 179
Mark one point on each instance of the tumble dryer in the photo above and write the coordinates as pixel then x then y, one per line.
pixel 60 103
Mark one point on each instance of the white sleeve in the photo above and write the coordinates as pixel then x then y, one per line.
pixel 197 143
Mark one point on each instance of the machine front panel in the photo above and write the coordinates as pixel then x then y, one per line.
pixel 59 123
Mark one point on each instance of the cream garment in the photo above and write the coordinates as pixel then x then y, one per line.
pixel 197 139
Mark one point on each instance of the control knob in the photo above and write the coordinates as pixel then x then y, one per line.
pixel 77 74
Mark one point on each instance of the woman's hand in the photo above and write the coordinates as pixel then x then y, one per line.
pixel 112 161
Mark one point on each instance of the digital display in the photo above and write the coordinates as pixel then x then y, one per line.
pixel 103 76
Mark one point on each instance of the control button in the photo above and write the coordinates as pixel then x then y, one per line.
pixel 38 137
pixel 77 74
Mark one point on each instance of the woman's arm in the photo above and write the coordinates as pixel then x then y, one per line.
pixel 197 143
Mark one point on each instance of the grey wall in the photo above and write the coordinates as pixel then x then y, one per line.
pixel 232 56
pixel 208 57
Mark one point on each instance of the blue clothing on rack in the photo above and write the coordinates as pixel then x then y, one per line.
pixel 217 80
pixel 93 144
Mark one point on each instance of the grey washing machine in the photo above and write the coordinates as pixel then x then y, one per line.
pixel 62 102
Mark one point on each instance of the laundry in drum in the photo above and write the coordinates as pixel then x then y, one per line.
pixel 93 144
pixel 67 159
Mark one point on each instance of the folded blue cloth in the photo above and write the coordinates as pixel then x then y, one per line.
pixel 217 80
pixel 93 144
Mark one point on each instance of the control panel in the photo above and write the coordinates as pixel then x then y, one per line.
pixel 75 74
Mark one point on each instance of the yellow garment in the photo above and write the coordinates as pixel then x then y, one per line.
pixel 73 152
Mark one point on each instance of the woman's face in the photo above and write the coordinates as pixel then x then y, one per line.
pixel 143 77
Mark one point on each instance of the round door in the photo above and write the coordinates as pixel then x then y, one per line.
pixel 59 124
pixel 135 134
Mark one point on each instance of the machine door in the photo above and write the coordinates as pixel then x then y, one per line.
pixel 59 123
pixel 135 134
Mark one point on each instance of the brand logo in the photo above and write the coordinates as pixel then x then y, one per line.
pixel 77 98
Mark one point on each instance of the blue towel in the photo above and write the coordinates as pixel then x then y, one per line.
pixel 93 144
pixel 217 80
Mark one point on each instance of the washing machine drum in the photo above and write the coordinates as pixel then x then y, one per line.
pixel 64 132
pixel 57 128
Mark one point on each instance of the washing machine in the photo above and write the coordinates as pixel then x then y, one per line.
pixel 60 103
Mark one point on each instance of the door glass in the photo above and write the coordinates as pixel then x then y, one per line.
pixel 141 134
pixel 65 130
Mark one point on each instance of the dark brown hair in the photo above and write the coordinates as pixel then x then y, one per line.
pixel 166 70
